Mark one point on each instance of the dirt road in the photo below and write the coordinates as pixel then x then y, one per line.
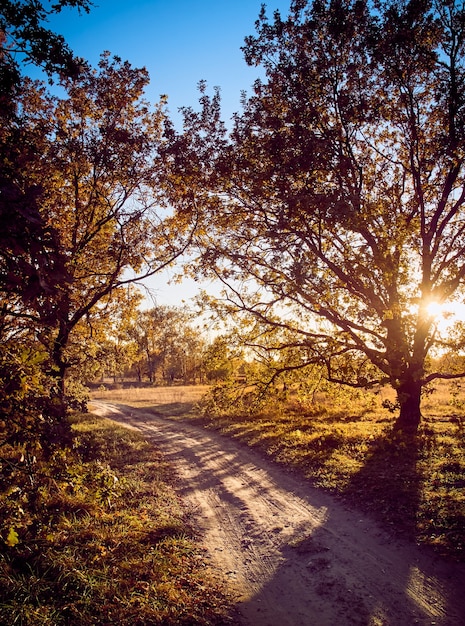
pixel 294 555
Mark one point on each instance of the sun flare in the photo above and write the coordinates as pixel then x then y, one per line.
pixel 448 313
pixel 436 309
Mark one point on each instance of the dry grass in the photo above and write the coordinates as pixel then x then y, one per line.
pixel 415 485
pixel 174 400
pixel 103 539
pixel 346 444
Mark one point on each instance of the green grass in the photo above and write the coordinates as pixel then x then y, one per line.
pixel 101 537
pixel 346 444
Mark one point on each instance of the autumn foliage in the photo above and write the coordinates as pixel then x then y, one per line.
pixel 333 208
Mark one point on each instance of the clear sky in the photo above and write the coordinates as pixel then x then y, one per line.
pixel 180 42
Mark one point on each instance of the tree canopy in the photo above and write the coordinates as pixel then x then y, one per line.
pixel 86 189
pixel 25 38
pixel 334 208
pixel 80 208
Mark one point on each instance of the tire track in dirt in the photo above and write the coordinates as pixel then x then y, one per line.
pixel 294 555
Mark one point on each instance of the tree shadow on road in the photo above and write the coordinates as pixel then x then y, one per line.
pixel 312 561
pixel 371 575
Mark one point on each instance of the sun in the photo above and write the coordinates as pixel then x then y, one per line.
pixel 446 314
pixel 436 309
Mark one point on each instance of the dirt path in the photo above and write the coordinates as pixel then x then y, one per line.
pixel 294 555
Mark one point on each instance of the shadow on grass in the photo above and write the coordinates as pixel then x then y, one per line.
pixel 389 483
pixel 172 409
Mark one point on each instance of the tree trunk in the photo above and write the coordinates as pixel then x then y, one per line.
pixel 58 406
pixel 409 398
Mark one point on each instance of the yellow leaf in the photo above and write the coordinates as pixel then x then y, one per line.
pixel 12 538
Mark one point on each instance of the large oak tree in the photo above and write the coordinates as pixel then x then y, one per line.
pixel 338 195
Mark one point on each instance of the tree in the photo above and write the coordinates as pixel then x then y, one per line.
pixel 218 360
pixel 26 39
pixel 90 161
pixel 101 344
pixel 168 344
pixel 334 209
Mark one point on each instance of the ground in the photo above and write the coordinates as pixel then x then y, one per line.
pixel 294 555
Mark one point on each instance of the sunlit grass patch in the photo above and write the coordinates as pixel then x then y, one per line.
pixel 415 485
pixel 103 539
pixel 172 400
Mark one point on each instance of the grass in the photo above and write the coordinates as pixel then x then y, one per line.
pixel 170 401
pixel 346 444
pixel 98 535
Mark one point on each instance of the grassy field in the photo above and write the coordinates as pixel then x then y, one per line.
pixel 171 401
pixel 345 444
pixel 98 535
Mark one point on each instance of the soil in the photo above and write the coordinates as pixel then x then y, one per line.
pixel 294 555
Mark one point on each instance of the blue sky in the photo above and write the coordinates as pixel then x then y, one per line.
pixel 180 42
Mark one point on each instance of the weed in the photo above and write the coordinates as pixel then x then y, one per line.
pixel 100 537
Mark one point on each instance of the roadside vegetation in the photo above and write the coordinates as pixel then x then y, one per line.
pixel 344 441
pixel 95 534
